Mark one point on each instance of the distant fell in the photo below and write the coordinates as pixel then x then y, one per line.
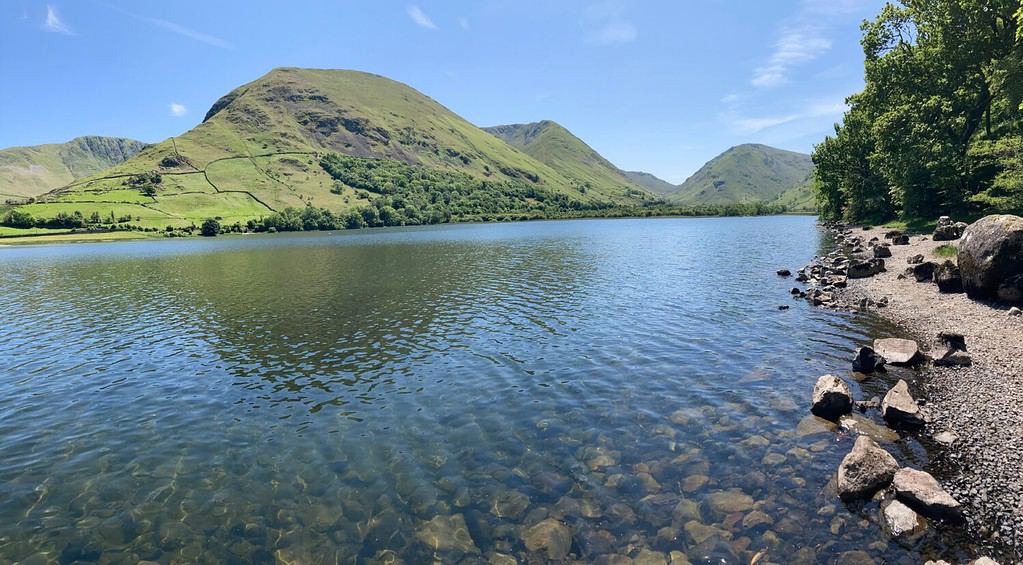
pixel 34 170
pixel 650 182
pixel 745 173
pixel 558 148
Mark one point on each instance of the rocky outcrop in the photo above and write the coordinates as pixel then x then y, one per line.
pixel 898 351
pixel 831 398
pixel 921 491
pixel 867 361
pixel 991 252
pixel 900 409
pixel 865 470
pixel 948 278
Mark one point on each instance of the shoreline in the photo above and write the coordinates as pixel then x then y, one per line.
pixel 982 404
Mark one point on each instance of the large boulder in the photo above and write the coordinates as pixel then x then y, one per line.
pixel 921 491
pixel 946 230
pixel 948 277
pixel 991 251
pixel 899 408
pixel 831 398
pixel 867 361
pixel 865 470
pixel 898 351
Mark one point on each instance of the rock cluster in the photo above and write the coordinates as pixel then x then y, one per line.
pixel 946 230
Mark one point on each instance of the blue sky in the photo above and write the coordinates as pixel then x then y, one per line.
pixel 659 86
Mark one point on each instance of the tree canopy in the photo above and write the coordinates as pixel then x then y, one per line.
pixel 937 128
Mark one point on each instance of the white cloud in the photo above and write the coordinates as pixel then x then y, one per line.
pixel 606 23
pixel 177 110
pixel 54 24
pixel 421 19
pixel 742 123
pixel 803 38
pixel 752 125
pixel 464 23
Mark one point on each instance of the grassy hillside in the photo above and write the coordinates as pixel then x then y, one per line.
pixel 259 150
pixel 31 171
pixel 558 148
pixel 650 182
pixel 799 198
pixel 745 173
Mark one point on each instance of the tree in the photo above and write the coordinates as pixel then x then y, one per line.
pixel 210 228
pixel 19 219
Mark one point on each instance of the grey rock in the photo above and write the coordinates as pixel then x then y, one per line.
pixel 948 278
pixel 865 269
pixel 867 361
pixel 1010 290
pixel 898 351
pixel 923 272
pixel 990 252
pixel 951 357
pixel 952 340
pixel 945 438
pixel 921 491
pixel 1015 312
pixel 915 259
pixel 882 251
pixel 946 230
pixel 900 240
pixel 899 408
pixel 901 521
pixel 831 398
pixel 865 470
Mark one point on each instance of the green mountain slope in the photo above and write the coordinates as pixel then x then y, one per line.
pixel 555 146
pixel 259 148
pixel 31 171
pixel 799 198
pixel 650 182
pixel 745 173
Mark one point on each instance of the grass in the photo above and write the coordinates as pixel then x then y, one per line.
pixel 915 225
pixel 32 171
pixel 6 231
pixel 78 237
pixel 946 251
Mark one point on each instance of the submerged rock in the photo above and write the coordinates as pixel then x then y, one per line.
pixel 729 501
pixel 898 351
pixel 865 470
pixel 549 536
pixel 863 426
pixel 447 533
pixel 867 361
pixel 813 425
pixel 921 491
pixel 831 398
pixel 899 407
pixel 784 273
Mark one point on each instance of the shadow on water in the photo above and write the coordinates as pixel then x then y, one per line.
pixel 426 393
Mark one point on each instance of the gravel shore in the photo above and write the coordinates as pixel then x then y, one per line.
pixel 981 404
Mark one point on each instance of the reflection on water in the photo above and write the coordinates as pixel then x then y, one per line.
pixel 424 394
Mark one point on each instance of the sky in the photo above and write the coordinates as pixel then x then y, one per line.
pixel 654 85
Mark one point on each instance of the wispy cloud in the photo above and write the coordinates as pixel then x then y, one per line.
pixel 739 121
pixel 54 24
pixel 606 23
pixel 177 110
pixel 464 23
pixel 189 33
pixel 801 39
pixel 178 29
pixel 421 19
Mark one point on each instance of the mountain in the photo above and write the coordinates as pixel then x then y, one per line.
pixel 650 182
pixel 31 171
pixel 555 146
pixel 745 173
pixel 259 147
pixel 799 198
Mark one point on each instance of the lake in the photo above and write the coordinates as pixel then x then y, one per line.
pixel 600 388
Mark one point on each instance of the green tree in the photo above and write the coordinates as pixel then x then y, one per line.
pixel 210 228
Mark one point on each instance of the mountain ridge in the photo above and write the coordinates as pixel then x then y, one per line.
pixel 749 172
pixel 29 171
